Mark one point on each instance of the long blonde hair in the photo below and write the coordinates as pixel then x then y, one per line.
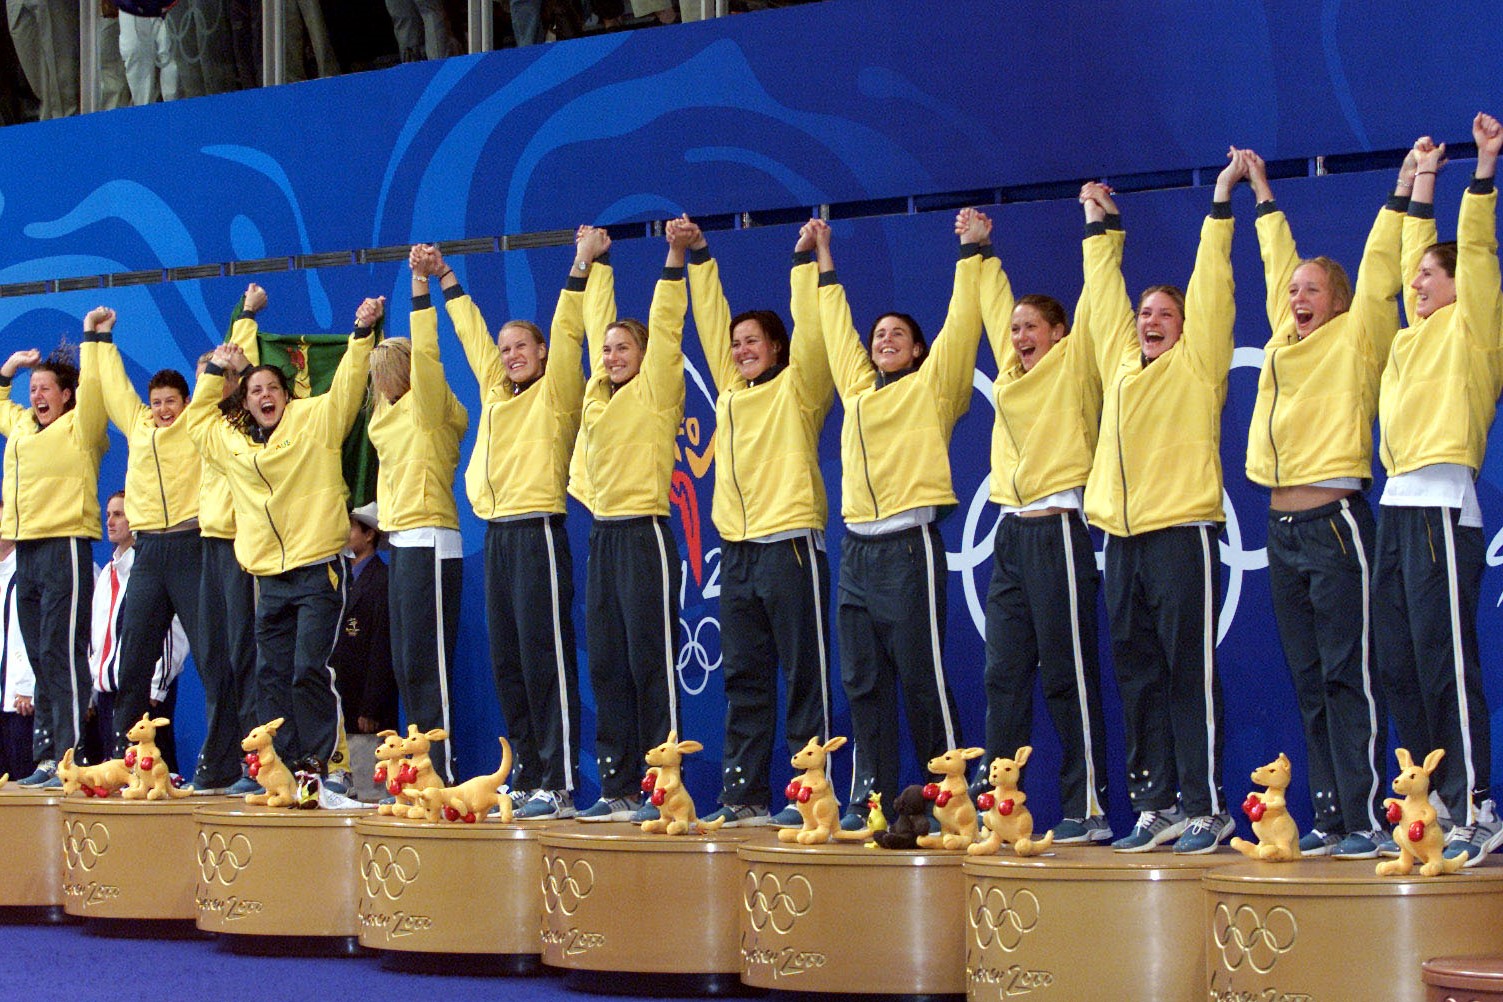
pixel 391 369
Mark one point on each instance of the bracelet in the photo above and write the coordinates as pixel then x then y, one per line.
pixel 447 272
pixel 420 278
pixel 1419 172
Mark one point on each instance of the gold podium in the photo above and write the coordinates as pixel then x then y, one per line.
pixel 129 864
pixel 29 823
pixel 1084 922
pixel 651 914
pixel 1333 929
pixel 844 918
pixel 274 880
pixel 452 898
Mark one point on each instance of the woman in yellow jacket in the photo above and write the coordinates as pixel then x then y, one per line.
pixel 1041 602
pixel 1155 489
pixel 1438 396
pixel 226 655
pixel 291 523
pixel 51 488
pixel 161 504
pixel 1310 443
pixel 621 471
pixel 415 425
pixel 770 510
pixel 530 392
pixel 901 404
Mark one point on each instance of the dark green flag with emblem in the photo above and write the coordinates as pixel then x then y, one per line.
pixel 309 361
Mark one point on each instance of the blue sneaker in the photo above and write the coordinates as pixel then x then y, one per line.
pixel 339 782
pixel 1205 834
pixel 1317 843
pixel 788 817
pixel 45 771
pixel 546 804
pixel 740 816
pixel 1476 840
pixel 244 785
pixel 1357 845
pixel 1152 830
pixel 646 812
pixel 612 809
pixel 853 821
pixel 1388 847
pixel 1082 831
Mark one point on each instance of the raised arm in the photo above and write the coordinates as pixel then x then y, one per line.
pixel 997 304
pixel 121 401
pixel 808 364
pixel 1275 242
pixel 1380 276
pixel 1114 329
pixel 203 418
pixel 429 387
pixel 341 404
pixel 591 254
pixel 10 411
pixel 1210 300
pixel 244 329
pixel 952 356
pixel 1477 274
pixel 1419 225
pixel 564 376
pixel 427 263
pixel 90 420
pixel 663 362
pixel 850 365
pixel 712 314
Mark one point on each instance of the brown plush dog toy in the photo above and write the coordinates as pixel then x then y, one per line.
pixel 1007 820
pixel 1278 835
pixel 910 821
pixel 664 786
pixel 1417 833
pixel 150 778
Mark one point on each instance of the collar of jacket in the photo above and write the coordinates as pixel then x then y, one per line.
pixel 769 374
pixel 888 378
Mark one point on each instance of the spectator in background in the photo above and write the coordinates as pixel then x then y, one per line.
pixel 199 33
pixel 305 29
pixel 245 40
pixel 114 92
pixel 104 649
pixel 362 654
pixel 422 28
pixel 17 684
pixel 663 9
pixel 45 33
pixel 151 72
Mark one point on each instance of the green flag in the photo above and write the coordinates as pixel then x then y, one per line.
pixel 309 361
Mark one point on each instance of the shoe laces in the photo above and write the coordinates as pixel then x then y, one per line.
pixel 1147 819
pixel 1462 833
pixel 1204 824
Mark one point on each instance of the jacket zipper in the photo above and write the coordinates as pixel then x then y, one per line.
pixel 866 468
pixel 161 485
pixel 490 417
pixel 730 416
pixel 1121 461
pixel 267 508
pixel 17 476
pixel 1273 370
pixel 1007 427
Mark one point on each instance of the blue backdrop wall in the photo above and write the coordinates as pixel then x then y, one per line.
pixel 894 111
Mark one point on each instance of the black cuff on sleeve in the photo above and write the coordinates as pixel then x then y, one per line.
pixel 360 332
pixel 423 302
pixel 102 337
pixel 574 283
pixel 1421 210
pixel 247 314
pixel 1114 220
pixel 1267 208
pixel 453 292
pixel 700 255
pixel 988 251
pixel 212 369
pixel 1221 210
pixel 1397 202
pixel 828 278
pixel 802 257
pixel 604 259
pixel 1095 229
pixel 4 381
pixel 674 274
pixel 1480 186
pixel 968 250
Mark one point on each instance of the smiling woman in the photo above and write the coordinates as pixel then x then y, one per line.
pixel 530 394
pixel 51 491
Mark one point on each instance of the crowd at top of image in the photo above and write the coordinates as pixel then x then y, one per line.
pixel 162 50
pixel 1111 419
